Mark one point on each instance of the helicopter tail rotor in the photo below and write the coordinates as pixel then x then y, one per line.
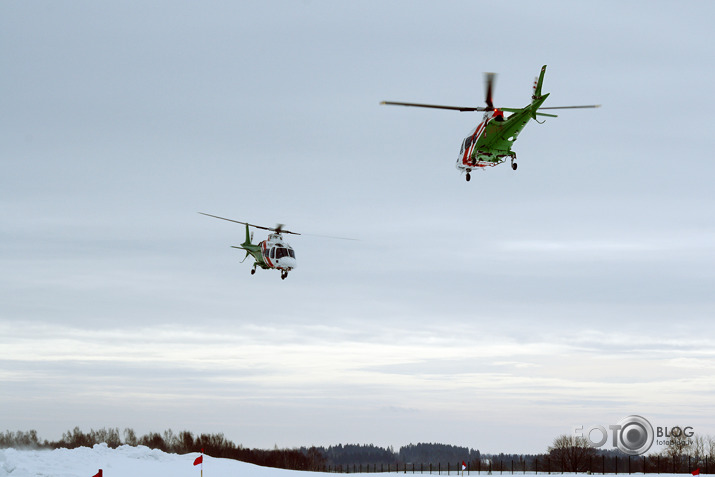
pixel 538 83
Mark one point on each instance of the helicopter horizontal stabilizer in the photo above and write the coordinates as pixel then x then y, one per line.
pixel 242 248
pixel 515 110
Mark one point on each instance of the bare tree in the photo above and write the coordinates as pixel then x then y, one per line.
pixel 572 452
pixel 130 438
pixel 677 445
pixel 710 447
pixel 698 448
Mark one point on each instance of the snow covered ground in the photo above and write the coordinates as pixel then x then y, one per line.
pixel 127 461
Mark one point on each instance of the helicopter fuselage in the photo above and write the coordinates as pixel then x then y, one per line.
pixel 490 142
pixel 276 253
pixel 272 253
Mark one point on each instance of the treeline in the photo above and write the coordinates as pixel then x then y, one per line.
pixel 421 453
pixel 351 454
pixel 566 454
pixel 370 455
pixel 215 445
pixel 304 458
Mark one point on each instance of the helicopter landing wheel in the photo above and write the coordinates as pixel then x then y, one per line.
pixel 513 165
pixel 253 271
pixel 468 177
pixel 284 275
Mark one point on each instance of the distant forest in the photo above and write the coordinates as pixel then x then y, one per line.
pixel 566 454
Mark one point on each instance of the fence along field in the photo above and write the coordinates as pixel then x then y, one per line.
pixel 602 464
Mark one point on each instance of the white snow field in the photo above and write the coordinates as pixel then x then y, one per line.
pixel 127 461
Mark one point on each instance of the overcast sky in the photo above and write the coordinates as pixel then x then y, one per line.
pixel 494 314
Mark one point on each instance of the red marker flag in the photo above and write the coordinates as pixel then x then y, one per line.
pixel 696 471
pixel 464 466
pixel 98 474
pixel 199 460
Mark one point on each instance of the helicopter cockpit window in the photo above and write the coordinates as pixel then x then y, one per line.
pixel 468 142
pixel 282 252
pixel 291 252
pixel 273 253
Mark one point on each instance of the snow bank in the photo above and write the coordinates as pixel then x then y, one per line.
pixel 125 461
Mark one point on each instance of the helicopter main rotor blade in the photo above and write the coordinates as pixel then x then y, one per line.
pixel 333 237
pixel 489 81
pixel 435 106
pixel 272 229
pixel 572 107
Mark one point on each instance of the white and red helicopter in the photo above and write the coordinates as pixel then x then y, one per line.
pixel 272 253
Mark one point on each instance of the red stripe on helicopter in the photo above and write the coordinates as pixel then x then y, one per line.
pixel 468 151
pixel 265 255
